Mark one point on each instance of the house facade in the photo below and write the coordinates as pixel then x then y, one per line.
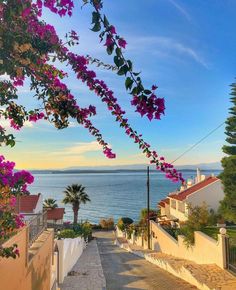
pixel 55 215
pixel 30 205
pixel 207 190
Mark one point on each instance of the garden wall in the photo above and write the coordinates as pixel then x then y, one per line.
pixel 204 251
pixel 23 273
pixel 69 251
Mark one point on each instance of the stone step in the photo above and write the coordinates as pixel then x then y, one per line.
pixel 205 277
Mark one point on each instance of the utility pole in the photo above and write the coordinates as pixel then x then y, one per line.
pixel 148 207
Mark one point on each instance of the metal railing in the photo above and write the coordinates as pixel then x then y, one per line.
pixel 230 251
pixel 36 226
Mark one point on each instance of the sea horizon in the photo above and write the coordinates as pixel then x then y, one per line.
pixel 113 194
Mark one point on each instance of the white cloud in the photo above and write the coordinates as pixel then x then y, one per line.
pixel 181 10
pixel 79 149
pixel 4 77
pixel 6 124
pixel 160 45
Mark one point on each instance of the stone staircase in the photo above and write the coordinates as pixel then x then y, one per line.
pixel 204 277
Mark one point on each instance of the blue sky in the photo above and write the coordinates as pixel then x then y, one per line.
pixel 186 47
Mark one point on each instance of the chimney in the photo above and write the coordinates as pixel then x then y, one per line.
pixel 198 175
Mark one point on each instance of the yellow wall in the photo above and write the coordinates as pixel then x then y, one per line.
pixel 204 251
pixel 21 274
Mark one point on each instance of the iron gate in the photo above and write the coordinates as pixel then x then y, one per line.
pixel 231 254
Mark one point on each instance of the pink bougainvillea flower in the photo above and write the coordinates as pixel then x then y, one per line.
pixel 112 29
pixel 122 42
pixel 109 41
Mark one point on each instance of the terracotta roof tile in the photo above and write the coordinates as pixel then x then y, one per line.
pixel 55 213
pixel 28 203
pixel 163 202
pixel 183 194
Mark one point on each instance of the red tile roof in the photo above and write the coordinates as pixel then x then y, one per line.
pixel 55 213
pixel 183 194
pixel 163 202
pixel 28 203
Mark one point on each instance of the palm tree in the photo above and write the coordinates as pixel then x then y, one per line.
pixel 75 194
pixel 50 203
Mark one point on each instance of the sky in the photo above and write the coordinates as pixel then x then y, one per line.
pixel 186 47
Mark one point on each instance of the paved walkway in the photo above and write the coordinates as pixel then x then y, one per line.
pixel 87 274
pixel 124 270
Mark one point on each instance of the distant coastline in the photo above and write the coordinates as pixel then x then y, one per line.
pixel 97 171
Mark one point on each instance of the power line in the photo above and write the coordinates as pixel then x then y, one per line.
pixel 198 142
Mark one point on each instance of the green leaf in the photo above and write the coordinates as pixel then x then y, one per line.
pixel 128 83
pixel 136 74
pixel 110 49
pixel 118 61
pixel 147 92
pixel 134 91
pixel 130 65
pixel 106 22
pixel 95 17
pixel 140 88
pixel 97 27
pixel 118 51
pixel 123 70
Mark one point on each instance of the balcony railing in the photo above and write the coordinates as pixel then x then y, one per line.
pixel 36 226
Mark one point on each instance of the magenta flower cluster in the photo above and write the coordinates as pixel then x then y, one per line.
pixel 17 181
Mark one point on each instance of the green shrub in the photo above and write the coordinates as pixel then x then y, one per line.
pixel 86 230
pixel 124 222
pixel 78 230
pixel 68 234
pixel 107 224
pixel 174 232
pixel 152 214
pixel 197 220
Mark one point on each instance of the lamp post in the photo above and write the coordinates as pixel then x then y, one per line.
pixel 58 234
pixel 148 206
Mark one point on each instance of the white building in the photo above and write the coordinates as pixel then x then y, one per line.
pixel 55 215
pixel 208 190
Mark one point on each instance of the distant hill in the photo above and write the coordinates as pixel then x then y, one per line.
pixel 203 166
pixel 132 167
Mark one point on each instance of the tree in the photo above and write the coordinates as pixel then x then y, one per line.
pixel 75 194
pixel 197 220
pixel 50 203
pixel 228 176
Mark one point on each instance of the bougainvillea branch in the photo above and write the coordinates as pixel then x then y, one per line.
pixel 28 48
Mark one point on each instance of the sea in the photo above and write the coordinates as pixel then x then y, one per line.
pixel 112 194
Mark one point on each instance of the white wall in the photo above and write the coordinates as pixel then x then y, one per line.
pixel 39 206
pixel 55 222
pixel 69 252
pixel 175 213
pixel 211 195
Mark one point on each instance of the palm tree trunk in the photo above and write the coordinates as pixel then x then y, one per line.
pixel 75 209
